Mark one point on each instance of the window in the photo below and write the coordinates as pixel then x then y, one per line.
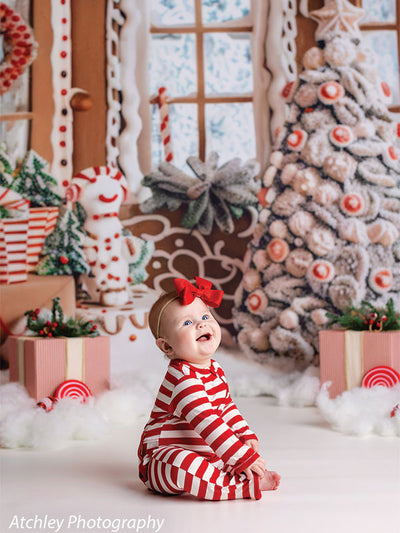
pixel 380 31
pixel 200 51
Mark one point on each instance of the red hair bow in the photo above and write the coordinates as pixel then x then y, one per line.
pixel 188 292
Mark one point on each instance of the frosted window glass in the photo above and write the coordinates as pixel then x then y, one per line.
pixel 216 11
pixel 227 63
pixel 173 64
pixel 172 12
pixel 384 45
pixel 230 131
pixel 379 11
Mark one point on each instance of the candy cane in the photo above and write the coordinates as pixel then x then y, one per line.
pixel 165 129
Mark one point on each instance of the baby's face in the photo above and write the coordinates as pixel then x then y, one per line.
pixel 189 332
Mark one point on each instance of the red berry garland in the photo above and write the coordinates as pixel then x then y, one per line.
pixel 19 44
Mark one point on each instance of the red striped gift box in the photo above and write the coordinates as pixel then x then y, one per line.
pixel 42 221
pixel 13 250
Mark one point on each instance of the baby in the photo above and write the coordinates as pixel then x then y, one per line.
pixel 196 441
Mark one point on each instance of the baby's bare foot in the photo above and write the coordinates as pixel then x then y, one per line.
pixel 270 481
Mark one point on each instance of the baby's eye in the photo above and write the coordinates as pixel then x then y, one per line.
pixel 187 322
pixel 205 317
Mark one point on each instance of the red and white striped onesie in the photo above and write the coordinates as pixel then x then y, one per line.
pixel 194 441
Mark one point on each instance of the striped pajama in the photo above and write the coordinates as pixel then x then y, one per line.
pixel 194 441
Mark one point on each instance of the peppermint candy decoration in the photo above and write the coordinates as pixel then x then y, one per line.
pixel 381 280
pixel 330 92
pixel 382 376
pixel 352 204
pixel 296 140
pixel 322 271
pixel 257 302
pixel 47 403
pixel 73 388
pixel 341 136
pixel 278 250
pixel 390 155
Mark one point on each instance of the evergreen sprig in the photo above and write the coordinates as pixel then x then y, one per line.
pixel 57 325
pixel 367 317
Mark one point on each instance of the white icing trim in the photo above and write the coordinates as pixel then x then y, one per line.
pixel 281 60
pixel 137 21
pixel 61 25
pixel 114 21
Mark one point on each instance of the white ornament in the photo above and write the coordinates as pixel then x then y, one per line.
pixel 288 173
pixel 320 241
pixel 251 280
pixel 353 230
pixel 326 194
pixel 306 181
pixel 301 223
pixel 383 232
pixel 339 52
pixel 318 316
pixel 278 229
pixel 313 59
pixel 289 319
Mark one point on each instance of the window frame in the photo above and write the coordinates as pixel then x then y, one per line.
pixel 381 26
pixel 198 29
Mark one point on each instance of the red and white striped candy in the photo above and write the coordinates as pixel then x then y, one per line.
pixel 47 403
pixel 330 92
pixel 165 127
pixel 384 376
pixel 278 250
pixel 341 136
pixel 73 388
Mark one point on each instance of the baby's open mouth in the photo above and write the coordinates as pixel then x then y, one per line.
pixel 203 338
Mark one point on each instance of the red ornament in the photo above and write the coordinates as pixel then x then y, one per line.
pixel 322 271
pixel 47 403
pixel 132 338
pixel 262 196
pixel 341 136
pixel 382 376
pixel 386 89
pixel 63 260
pixel 73 388
pixel 352 204
pixel 286 91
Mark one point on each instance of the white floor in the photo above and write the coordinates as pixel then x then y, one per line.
pixel 330 483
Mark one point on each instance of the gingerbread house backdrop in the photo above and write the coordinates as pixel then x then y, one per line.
pixel 92 98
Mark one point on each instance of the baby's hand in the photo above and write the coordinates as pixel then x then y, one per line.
pixel 258 467
pixel 253 443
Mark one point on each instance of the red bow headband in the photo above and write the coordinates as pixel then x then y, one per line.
pixel 188 292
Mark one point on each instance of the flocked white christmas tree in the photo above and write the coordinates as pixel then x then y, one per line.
pixel 328 233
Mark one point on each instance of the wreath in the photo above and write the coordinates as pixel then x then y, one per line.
pixel 18 44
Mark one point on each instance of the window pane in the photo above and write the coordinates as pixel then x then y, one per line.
pixel 172 12
pixel 184 134
pixel 15 135
pixel 173 64
pixel 216 11
pixel 379 11
pixel 227 63
pixel 230 131
pixel 384 45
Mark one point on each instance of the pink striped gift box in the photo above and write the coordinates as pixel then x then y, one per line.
pixel 42 221
pixel 13 250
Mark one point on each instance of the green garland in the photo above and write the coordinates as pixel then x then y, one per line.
pixel 367 317
pixel 57 326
